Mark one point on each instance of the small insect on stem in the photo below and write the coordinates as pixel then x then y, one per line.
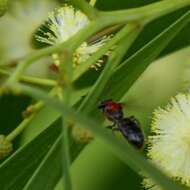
pixel 129 126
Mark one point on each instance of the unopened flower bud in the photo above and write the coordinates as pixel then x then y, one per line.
pixel 5 147
pixel 81 135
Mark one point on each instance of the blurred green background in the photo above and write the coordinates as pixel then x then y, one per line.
pixel 96 168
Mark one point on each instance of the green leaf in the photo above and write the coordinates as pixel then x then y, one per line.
pixel 131 32
pixel 46 116
pixel 19 167
pixel 129 71
pixel 49 171
pixel 120 148
pixel 163 79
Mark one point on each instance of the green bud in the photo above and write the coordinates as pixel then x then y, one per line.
pixel 81 135
pixel 5 147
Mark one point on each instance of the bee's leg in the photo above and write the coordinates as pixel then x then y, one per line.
pixel 112 126
pixel 132 118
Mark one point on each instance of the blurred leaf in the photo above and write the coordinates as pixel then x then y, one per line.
pixel 49 171
pixel 164 78
pixel 3 7
pixel 120 4
pixel 122 149
pixel 108 170
pixel 156 27
pixel 128 72
pixel 18 168
pixel 38 123
pixel 44 118
pixel 152 29
pixel 131 32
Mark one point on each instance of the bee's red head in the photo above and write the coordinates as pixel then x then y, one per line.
pixel 110 106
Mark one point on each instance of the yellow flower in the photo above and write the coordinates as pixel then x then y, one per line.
pixel 62 24
pixel 169 146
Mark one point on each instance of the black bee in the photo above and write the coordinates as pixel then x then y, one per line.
pixel 129 127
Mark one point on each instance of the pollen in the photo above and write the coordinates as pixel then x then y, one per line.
pixel 61 25
pixel 169 144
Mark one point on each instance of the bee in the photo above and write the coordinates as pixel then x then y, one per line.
pixel 128 126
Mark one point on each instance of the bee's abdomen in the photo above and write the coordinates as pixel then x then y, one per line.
pixel 132 132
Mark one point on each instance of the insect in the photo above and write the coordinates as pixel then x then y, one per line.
pixel 129 127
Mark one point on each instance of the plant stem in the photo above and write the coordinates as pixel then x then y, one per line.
pixel 103 19
pixel 33 111
pixel 71 45
pixel 92 2
pixel 24 123
pixel 146 13
pixel 97 55
pixel 65 79
pixel 86 8
pixel 32 80
pixel 67 183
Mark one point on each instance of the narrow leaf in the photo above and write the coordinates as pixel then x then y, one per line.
pixel 120 148
pixel 130 70
pixel 18 168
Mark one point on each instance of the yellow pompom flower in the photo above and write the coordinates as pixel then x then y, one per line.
pixel 169 144
pixel 62 24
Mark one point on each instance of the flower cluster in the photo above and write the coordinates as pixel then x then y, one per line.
pixel 169 146
pixel 62 24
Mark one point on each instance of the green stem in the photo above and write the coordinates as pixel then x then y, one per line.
pixel 71 45
pixel 24 123
pixel 103 19
pixel 27 60
pixel 65 79
pixel 97 55
pixel 86 8
pixel 146 13
pixel 34 109
pixel 92 2
pixel 19 128
pixel 32 80
pixel 67 183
